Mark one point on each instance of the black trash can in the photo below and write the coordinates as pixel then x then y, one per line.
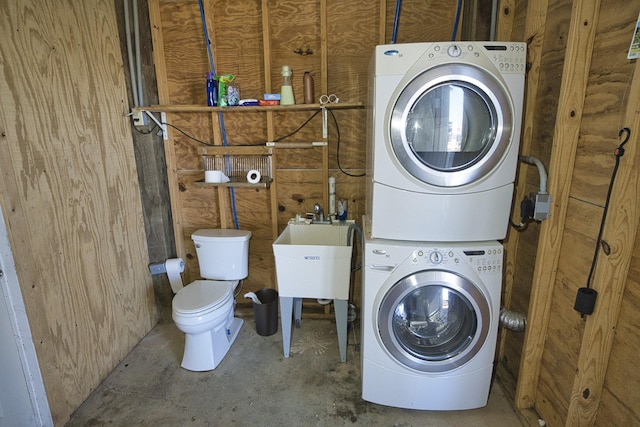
pixel 266 314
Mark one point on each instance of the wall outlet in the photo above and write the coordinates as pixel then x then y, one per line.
pixel 139 118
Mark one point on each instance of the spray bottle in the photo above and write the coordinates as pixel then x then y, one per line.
pixel 212 91
pixel 286 90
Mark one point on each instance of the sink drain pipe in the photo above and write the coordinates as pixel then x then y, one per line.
pixel 512 320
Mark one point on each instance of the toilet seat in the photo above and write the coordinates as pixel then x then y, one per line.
pixel 202 296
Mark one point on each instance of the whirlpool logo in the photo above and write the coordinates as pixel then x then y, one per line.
pixel 312 258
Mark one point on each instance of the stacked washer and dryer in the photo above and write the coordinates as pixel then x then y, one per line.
pixel 443 136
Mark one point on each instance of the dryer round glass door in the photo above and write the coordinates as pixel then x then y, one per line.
pixel 433 320
pixel 451 125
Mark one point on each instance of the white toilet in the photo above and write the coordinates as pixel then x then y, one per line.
pixel 203 310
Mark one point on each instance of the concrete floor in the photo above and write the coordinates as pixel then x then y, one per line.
pixel 256 386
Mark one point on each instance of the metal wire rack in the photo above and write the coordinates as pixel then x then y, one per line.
pixel 236 167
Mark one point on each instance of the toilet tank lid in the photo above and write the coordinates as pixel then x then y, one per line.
pixel 221 234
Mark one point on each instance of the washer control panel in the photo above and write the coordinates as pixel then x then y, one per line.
pixel 481 259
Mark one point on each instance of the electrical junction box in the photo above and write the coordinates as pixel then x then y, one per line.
pixel 542 206
pixel 139 118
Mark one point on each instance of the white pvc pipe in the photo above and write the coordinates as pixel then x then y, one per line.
pixel 134 83
pixel 136 27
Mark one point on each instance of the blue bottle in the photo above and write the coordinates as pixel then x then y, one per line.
pixel 212 91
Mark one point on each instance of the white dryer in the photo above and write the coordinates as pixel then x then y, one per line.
pixel 429 323
pixel 444 124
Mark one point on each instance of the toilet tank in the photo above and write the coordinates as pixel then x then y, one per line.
pixel 223 254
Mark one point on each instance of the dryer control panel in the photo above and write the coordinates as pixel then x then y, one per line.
pixel 508 57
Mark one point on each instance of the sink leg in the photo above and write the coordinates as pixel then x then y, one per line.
pixel 297 311
pixel 286 309
pixel 341 308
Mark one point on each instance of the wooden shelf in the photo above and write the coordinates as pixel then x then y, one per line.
pixel 221 150
pixel 261 184
pixel 248 109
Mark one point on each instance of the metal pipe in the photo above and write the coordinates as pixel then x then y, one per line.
pixel 494 19
pixel 134 80
pixel 136 28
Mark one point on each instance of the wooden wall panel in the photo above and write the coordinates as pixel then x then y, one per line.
pixel 185 52
pixel 294 38
pixel 70 193
pixel 564 333
pixel 575 351
pixel 421 21
pixel 620 389
pixel 547 43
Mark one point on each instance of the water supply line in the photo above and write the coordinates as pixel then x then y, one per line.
pixel 456 21
pixel 395 22
pixel 223 131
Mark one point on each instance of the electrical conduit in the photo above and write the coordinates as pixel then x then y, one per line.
pixel 134 80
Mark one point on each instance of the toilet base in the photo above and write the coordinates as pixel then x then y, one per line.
pixel 203 352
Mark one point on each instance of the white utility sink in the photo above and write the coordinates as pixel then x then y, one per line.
pixel 313 261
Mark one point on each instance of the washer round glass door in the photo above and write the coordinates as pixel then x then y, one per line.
pixel 451 125
pixel 433 320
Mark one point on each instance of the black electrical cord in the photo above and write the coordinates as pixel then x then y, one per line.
pixel 187 135
pixel 149 132
pixel 619 152
pixel 335 121
pixel 527 208
pixel 299 127
pixel 519 227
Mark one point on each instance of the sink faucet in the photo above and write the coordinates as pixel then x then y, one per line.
pixel 318 215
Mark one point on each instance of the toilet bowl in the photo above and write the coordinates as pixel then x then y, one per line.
pixel 203 309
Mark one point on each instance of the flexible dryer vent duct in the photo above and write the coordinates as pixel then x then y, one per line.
pixel 512 321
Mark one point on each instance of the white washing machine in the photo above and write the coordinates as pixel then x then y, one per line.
pixel 444 124
pixel 429 323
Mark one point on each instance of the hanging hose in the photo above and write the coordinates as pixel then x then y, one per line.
pixel 456 21
pixel 207 42
pixel 395 22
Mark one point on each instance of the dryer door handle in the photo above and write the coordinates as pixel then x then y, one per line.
pixel 381 267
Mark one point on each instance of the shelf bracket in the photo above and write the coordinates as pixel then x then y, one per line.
pixel 161 125
pixel 325 133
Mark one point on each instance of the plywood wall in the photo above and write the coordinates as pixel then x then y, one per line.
pixel 581 90
pixel 69 192
pixel 253 40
